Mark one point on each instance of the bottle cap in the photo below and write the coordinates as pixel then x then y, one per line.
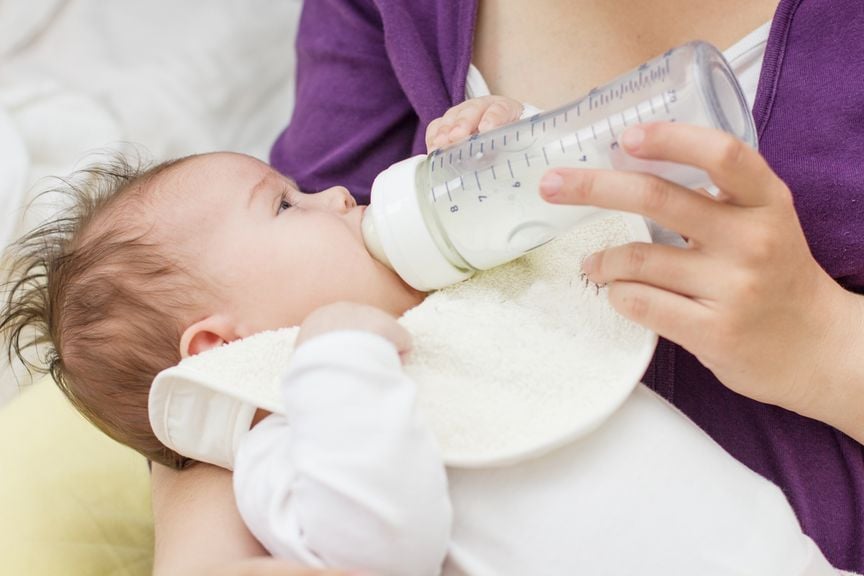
pixel 396 234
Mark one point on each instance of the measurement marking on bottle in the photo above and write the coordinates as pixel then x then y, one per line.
pixel 565 116
pixel 554 121
pixel 638 115
pixel 442 162
pixel 471 149
pixel 460 154
pixel 461 182
pixel 477 179
pixel 623 119
pixel 593 132
pixel 447 187
pixel 545 156
pixel 544 127
pixel 651 103
pixel 517 136
pixel 492 168
pixel 505 139
pixel 481 147
pixel 532 129
pixel 609 123
pixel 510 167
pixel 578 142
pixel 665 103
pixel 561 143
pixel 492 144
pixel 527 159
pixel 450 158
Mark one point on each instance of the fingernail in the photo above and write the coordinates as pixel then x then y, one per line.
pixel 588 264
pixel 632 138
pixel 551 184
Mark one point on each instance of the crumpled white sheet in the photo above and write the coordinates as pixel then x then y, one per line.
pixel 172 78
pixel 13 175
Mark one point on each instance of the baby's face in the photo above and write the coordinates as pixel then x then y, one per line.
pixel 274 253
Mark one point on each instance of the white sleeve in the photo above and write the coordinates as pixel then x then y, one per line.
pixel 350 477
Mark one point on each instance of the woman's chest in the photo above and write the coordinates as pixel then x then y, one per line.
pixel 549 52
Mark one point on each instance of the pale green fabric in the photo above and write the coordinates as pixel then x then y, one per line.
pixel 72 501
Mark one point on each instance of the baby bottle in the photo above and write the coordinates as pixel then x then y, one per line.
pixel 437 219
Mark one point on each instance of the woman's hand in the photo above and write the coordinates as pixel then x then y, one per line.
pixel 475 115
pixel 746 296
pixel 351 316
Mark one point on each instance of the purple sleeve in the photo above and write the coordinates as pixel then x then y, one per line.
pixel 351 118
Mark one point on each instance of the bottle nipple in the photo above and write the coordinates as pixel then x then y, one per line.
pixel 371 238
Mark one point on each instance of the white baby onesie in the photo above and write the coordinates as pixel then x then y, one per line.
pixel 351 478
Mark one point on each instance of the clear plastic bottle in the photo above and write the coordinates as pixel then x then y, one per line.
pixel 438 219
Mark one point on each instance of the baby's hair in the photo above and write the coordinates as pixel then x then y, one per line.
pixel 103 299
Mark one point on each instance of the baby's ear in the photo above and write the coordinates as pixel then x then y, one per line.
pixel 205 334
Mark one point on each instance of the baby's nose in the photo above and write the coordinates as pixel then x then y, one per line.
pixel 339 199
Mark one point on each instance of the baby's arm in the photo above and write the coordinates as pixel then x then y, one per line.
pixel 350 477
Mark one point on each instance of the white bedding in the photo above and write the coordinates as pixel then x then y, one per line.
pixel 174 78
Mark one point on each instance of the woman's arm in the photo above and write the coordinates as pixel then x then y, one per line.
pixel 198 528
pixel 351 117
pixel 199 531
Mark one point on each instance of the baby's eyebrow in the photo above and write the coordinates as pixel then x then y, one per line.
pixel 269 180
pixel 293 184
pixel 261 185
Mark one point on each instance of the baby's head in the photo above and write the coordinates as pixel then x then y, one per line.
pixel 153 265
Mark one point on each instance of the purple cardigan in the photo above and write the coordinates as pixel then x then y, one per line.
pixel 373 73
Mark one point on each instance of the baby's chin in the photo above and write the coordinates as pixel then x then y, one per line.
pixel 397 297
pixel 399 290
pixel 409 297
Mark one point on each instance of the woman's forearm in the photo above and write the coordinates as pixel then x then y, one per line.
pixel 198 528
pixel 838 385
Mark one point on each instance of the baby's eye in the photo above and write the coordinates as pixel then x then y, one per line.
pixel 284 203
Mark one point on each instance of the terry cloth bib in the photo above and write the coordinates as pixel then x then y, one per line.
pixel 509 364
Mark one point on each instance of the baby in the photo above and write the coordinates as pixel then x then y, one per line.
pixel 152 266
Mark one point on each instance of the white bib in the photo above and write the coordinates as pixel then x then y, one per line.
pixel 509 364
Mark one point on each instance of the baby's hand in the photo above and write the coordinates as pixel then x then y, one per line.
pixel 351 316
pixel 474 115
